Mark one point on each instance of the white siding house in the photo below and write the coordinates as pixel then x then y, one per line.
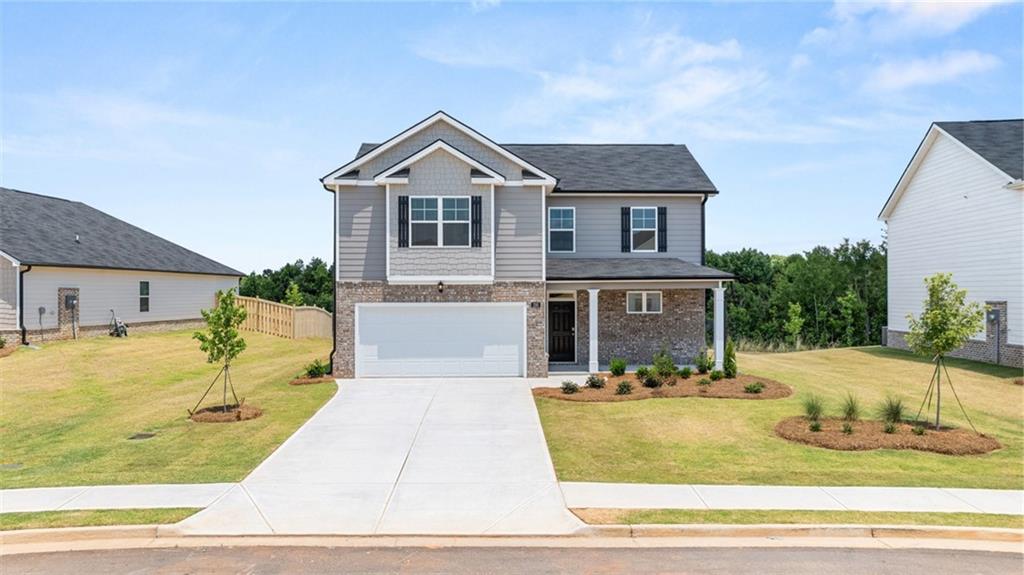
pixel 959 209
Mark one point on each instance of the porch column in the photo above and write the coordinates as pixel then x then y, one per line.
pixel 592 326
pixel 719 325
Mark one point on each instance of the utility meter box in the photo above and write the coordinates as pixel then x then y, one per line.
pixel 70 301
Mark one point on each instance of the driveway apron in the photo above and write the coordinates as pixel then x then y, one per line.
pixel 441 456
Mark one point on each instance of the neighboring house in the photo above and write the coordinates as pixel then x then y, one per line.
pixel 64 266
pixel 460 256
pixel 959 208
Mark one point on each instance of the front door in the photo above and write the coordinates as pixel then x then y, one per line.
pixel 562 331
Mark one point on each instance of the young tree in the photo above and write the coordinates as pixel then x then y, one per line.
pixel 292 296
pixel 221 340
pixel 947 321
pixel 794 324
pixel 729 364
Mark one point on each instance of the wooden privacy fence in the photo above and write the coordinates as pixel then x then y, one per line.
pixel 282 320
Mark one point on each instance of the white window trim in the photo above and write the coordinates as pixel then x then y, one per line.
pixel 573 230
pixel 633 230
pixel 643 302
pixel 148 296
pixel 441 221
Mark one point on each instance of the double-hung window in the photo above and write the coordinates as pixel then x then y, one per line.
pixel 439 221
pixel 644 229
pixel 562 229
pixel 643 302
pixel 143 296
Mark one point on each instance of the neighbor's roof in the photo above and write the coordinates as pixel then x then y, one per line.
pixel 630 269
pixel 41 230
pixel 1000 142
pixel 652 168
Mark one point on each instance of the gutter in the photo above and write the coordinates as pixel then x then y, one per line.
pixel 334 280
pixel 21 307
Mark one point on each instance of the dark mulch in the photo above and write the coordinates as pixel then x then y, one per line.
pixel 311 380
pixel 216 414
pixel 1018 381
pixel 869 435
pixel 723 388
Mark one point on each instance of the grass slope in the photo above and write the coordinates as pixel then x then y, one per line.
pixel 92 518
pixel 722 441
pixel 69 408
pixel 756 517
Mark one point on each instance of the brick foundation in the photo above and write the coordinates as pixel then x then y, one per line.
pixel 1009 354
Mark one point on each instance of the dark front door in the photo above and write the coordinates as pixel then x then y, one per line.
pixel 562 331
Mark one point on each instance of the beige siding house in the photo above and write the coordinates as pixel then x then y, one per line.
pixel 959 209
pixel 66 268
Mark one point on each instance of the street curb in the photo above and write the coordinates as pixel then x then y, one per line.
pixel 811 530
pixel 74 534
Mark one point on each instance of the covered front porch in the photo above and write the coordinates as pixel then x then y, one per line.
pixel 630 309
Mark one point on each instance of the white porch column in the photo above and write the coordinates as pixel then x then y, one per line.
pixel 719 325
pixel 592 325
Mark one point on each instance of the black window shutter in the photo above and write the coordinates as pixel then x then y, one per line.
pixel 625 228
pixel 403 221
pixel 662 229
pixel 476 227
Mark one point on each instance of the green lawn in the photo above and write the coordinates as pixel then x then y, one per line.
pixel 722 441
pixel 751 517
pixel 68 409
pixel 47 519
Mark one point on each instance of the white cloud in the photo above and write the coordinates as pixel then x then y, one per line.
pixel 901 75
pixel 482 5
pixel 890 20
pixel 799 62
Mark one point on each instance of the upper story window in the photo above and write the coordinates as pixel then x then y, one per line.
pixel 644 229
pixel 439 221
pixel 562 229
pixel 143 296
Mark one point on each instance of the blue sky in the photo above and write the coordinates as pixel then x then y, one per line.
pixel 209 124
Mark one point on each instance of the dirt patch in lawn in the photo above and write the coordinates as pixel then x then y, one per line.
pixel 217 414
pixel 723 388
pixel 869 435
pixel 8 349
pixel 311 380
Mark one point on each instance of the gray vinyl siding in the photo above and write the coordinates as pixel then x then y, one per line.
pixel 8 295
pixel 361 233
pixel 443 131
pixel 599 226
pixel 519 250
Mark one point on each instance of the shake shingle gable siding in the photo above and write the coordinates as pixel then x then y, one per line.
pixel 1000 142
pixel 42 230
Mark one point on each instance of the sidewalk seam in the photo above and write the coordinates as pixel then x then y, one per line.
pixel 962 500
pixel 833 498
pixel 258 510
pixel 72 498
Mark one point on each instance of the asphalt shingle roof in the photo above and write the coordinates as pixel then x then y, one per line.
pixel 629 269
pixel 41 230
pixel 613 167
pixel 1000 142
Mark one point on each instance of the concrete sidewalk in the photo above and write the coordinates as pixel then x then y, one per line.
pixel 111 497
pixel 792 498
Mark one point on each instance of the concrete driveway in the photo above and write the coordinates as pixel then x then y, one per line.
pixel 385 456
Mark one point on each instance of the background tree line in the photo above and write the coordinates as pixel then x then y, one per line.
pixel 296 283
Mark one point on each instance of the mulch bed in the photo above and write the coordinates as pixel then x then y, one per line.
pixel 869 435
pixel 311 380
pixel 216 414
pixel 723 388
pixel 8 349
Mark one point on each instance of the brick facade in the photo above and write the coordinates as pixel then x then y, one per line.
pixel 1008 354
pixel 351 293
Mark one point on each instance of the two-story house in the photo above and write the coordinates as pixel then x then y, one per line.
pixel 457 256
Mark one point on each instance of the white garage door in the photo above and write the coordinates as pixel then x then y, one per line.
pixel 434 340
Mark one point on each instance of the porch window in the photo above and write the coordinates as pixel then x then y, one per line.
pixel 439 221
pixel 643 302
pixel 644 229
pixel 562 230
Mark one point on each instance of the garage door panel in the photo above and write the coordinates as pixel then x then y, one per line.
pixel 425 340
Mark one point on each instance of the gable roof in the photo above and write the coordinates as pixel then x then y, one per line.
pixel 999 143
pixel 613 168
pixel 42 230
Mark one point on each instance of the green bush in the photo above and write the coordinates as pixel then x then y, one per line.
pixel 847 428
pixel 642 372
pixel 617 366
pixel 663 365
pixel 686 372
pixel 815 426
pixel 756 387
pixel 729 362
pixel 891 409
pixel 813 407
pixel 919 429
pixel 702 362
pixel 717 375
pixel 704 382
pixel 890 427
pixel 595 381
pixel 317 369
pixel 624 388
pixel 570 387
pixel 851 408
pixel 651 379
pixel 3 342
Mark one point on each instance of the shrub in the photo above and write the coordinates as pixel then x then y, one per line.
pixel 617 366
pixel 651 380
pixel 729 362
pixel 756 387
pixel 624 388
pixel 891 409
pixel 3 342
pixel 851 408
pixel 890 427
pixel 704 382
pixel 686 372
pixel 570 387
pixel 663 365
pixel 642 372
pixel 595 381
pixel 813 407
pixel 815 426
pixel 717 375
pixel 701 361
pixel 919 429
pixel 317 369
pixel 847 428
